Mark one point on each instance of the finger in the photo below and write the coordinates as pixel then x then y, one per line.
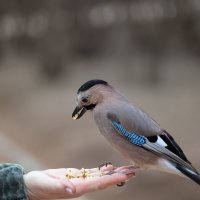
pixel 68 187
pixel 110 169
pixel 60 189
pixel 107 168
pixel 97 183
pixel 105 165
pixel 102 169
pixel 131 169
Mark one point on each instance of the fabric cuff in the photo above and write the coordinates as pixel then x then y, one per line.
pixel 12 185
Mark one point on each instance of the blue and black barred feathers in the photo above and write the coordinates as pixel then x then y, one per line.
pixel 130 136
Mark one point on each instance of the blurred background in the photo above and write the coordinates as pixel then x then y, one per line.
pixel 150 50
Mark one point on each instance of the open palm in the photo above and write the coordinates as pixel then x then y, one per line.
pixel 53 183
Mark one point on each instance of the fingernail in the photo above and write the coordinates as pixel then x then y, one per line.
pixel 69 190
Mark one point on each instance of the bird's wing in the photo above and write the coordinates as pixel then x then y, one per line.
pixel 166 140
pixel 163 146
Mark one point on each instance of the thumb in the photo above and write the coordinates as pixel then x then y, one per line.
pixel 67 187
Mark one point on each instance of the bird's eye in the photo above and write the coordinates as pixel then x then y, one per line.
pixel 84 100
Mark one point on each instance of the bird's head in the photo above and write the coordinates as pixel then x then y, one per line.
pixel 88 96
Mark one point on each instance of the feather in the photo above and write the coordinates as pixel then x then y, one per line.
pixel 173 146
pixel 158 147
pixel 132 137
pixel 189 173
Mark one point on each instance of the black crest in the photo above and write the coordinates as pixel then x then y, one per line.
pixel 90 84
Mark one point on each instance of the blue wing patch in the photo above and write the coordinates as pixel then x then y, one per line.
pixel 132 137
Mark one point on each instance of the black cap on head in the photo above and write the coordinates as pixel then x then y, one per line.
pixel 90 84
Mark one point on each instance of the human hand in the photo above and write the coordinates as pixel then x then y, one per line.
pixel 53 183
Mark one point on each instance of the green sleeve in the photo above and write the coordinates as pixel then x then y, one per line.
pixel 12 185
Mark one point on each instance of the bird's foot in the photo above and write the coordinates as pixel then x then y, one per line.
pixel 130 169
pixel 104 165
pixel 127 170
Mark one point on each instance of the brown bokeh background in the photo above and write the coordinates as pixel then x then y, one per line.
pixel 148 49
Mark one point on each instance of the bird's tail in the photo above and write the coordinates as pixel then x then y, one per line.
pixel 194 175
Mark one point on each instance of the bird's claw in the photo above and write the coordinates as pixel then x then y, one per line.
pixel 121 184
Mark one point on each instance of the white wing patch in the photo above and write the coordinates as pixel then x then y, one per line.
pixel 161 142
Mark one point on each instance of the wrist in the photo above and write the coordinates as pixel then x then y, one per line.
pixel 27 183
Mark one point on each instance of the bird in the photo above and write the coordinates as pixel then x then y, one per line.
pixel 131 131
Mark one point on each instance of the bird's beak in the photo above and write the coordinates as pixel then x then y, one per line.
pixel 78 112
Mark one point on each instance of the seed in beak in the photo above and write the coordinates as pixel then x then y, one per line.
pixel 75 116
